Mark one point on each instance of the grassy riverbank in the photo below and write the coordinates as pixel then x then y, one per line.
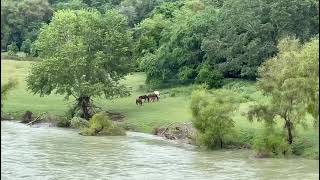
pixel 172 108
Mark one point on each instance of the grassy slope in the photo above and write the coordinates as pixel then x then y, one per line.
pixel 143 118
pixel 167 110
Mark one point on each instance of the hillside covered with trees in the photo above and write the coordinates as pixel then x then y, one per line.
pixel 183 41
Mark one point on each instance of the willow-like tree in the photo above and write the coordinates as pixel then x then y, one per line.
pixel 291 80
pixel 213 116
pixel 85 54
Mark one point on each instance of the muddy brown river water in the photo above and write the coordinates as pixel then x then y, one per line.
pixel 56 153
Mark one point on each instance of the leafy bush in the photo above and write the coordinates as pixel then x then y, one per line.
pixel 311 152
pixel 212 117
pixel 12 49
pixel 271 143
pixel 100 125
pixel 210 76
pixel 26 46
pixel 77 123
pixel 304 147
pixel 246 136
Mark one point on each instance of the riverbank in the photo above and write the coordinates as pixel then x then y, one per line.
pixel 172 108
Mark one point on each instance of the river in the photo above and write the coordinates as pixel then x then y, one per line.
pixel 57 153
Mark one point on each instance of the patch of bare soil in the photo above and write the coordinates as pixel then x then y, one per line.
pixel 184 133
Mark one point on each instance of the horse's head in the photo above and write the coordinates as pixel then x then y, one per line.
pixel 157 93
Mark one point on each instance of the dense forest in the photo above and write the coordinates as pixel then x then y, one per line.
pixel 179 41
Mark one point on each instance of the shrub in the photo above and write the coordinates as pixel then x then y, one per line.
pixel 212 117
pixel 304 147
pixel 271 143
pixel 211 77
pixel 245 137
pixel 101 125
pixel 311 152
pixel 77 123
pixel 26 46
pixel 12 49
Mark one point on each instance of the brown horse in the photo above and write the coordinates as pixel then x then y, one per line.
pixel 139 102
pixel 152 97
pixel 144 97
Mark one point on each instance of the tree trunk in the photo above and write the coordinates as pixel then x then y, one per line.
pixel 290 138
pixel 289 129
pixel 85 105
pixel 221 143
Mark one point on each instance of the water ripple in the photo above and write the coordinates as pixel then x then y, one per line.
pixel 56 153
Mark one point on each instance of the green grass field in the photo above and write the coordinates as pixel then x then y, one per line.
pixel 143 119
pixel 167 110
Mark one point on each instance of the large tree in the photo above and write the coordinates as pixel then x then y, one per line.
pixel 85 54
pixel 212 115
pixel 291 80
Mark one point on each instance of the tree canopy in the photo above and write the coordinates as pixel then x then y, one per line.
pixel 85 54
pixel 291 84
pixel 181 41
pixel 232 39
pixel 21 20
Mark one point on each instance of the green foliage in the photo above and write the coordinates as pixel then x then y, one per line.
pixel 176 53
pixel 70 4
pixel 180 37
pixel 148 34
pixel 21 20
pixel 242 39
pixel 212 116
pixel 211 77
pixel 137 10
pixel 78 123
pixel 26 46
pixel 5 88
pixel 291 92
pixel 271 143
pixel 12 49
pixel 85 54
pixel 101 125
pixel 311 152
